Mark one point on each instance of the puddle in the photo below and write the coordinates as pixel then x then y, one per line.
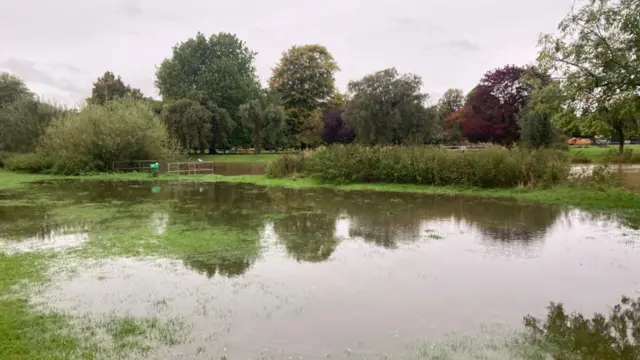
pixel 56 240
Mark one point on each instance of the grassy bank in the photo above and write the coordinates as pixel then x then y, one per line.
pixel 594 198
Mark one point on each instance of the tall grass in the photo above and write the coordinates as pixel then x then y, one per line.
pixel 286 165
pixel 92 139
pixel 493 167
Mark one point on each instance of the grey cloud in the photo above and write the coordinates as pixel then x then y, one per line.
pixel 68 67
pixel 28 71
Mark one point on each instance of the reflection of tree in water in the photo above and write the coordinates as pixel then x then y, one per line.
pixel 222 265
pixel 307 235
pixel 388 219
pixel 564 335
pixel 230 205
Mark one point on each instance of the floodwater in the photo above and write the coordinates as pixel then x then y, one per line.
pixel 332 274
pixel 627 176
pixel 232 169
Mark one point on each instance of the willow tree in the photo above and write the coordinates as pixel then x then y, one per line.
pixel 265 118
pixel 387 107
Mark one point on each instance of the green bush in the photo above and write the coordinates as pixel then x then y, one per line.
pixel 492 167
pixel 92 139
pixel 285 165
pixel 28 162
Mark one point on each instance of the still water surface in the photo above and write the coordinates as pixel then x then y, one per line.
pixel 338 274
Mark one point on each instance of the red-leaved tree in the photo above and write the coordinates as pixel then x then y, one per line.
pixel 493 107
pixel 334 128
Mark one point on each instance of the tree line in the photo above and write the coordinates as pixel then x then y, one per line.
pixel 586 82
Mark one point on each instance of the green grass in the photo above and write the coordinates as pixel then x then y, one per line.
pixel 262 158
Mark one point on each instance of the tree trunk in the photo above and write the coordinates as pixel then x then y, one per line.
pixel 621 145
pixel 212 146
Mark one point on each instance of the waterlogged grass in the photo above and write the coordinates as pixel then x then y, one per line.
pixel 596 198
pixel 27 332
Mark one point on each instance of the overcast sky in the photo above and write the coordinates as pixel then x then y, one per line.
pixel 60 47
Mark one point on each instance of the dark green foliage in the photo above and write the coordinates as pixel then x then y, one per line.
pixel 574 337
pixel 388 108
pixel 109 87
pixel 220 67
pixel 91 140
pixel 12 89
pixel 537 130
pixel 493 167
pixel 23 122
pixel 265 118
pixel 218 73
pixel 189 123
pixel 28 162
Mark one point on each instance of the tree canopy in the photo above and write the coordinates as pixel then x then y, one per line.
pixel 304 79
pixel 493 107
pixel 220 66
pixel 387 107
pixel 12 89
pixel 451 101
pixel 109 87
pixel 595 57
pixel 265 117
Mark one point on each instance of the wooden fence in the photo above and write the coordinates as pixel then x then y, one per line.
pixel 190 167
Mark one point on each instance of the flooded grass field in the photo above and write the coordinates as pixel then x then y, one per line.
pixel 186 270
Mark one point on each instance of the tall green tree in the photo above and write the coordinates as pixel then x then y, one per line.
pixel 538 118
pixel 387 107
pixel 109 87
pixel 452 101
pixel 265 118
pixel 221 67
pixel 13 89
pixel 305 81
pixel 595 54
pixel 23 116
pixel 189 123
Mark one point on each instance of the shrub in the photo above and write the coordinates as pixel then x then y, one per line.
pixel 572 336
pixel 488 168
pixel 286 165
pixel 92 139
pixel 579 157
pixel 28 162
pixel 627 157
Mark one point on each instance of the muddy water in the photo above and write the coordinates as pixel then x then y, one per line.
pixel 232 169
pixel 336 274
